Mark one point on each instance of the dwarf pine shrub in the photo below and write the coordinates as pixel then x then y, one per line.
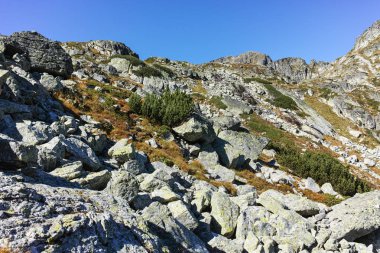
pixel 168 109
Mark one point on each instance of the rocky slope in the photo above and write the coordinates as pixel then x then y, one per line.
pixel 80 172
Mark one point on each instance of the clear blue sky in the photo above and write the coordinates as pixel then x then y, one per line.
pixel 200 30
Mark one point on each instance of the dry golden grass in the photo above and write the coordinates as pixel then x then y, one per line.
pixel 341 125
pixel 198 88
pixel 260 184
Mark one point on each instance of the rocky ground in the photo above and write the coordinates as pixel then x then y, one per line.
pixel 80 172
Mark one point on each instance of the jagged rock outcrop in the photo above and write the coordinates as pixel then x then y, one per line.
pixel 247 58
pixel 44 55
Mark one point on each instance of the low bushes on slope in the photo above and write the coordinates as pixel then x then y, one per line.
pixel 133 60
pixel 147 71
pixel 169 109
pixel 321 167
pixel 164 69
pixel 279 99
pixel 256 79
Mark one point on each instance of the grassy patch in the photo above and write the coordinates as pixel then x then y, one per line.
pixel 279 99
pixel 256 79
pixel 133 60
pixel 326 93
pixel 147 71
pixel 217 102
pixel 164 69
pixel 198 88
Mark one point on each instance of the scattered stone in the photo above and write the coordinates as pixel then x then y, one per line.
pixel 237 148
pixel 224 213
pixel 183 214
pixel 310 184
pixel 69 171
pixel 196 129
pixel 328 189
pixel 123 184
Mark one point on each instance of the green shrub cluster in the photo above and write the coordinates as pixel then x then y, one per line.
pixel 217 102
pixel 281 100
pixel 164 69
pixel 169 109
pixel 256 79
pixel 321 167
pixel 133 60
pixel 135 103
pixel 147 71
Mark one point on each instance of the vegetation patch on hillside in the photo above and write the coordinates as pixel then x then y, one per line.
pixel 169 109
pixel 279 99
pixel 256 79
pixel 133 60
pixel 164 69
pixel 321 167
pixel 147 71
pixel 217 102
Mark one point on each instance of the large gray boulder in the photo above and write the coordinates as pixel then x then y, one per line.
pixel 44 55
pixel 289 224
pixel 15 154
pixel 122 151
pixel 110 48
pixel 174 235
pixel 355 217
pixel 51 83
pixel 196 129
pixel 51 153
pixel 69 171
pixel 301 205
pixel 95 180
pixel 82 152
pixel 224 213
pixel 183 214
pixel 237 148
pixel 123 184
pixel 66 220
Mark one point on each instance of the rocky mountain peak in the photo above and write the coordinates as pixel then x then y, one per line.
pixel 369 35
pixel 250 57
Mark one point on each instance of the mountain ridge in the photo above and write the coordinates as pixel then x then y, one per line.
pixel 105 152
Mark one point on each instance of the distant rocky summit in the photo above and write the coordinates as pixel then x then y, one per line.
pixel 104 152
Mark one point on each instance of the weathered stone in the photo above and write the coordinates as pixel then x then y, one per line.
pixel 177 237
pixel 122 151
pixel 123 184
pixel 328 189
pixel 95 180
pixel 164 195
pixel 196 129
pixel 44 55
pixel 14 155
pixel 183 214
pixel 310 184
pixel 82 152
pixel 51 83
pixel 301 205
pixel 69 171
pixel 134 167
pixel 222 244
pixel 224 213
pixel 237 148
pixel 245 200
pixel 221 173
pixel 355 217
